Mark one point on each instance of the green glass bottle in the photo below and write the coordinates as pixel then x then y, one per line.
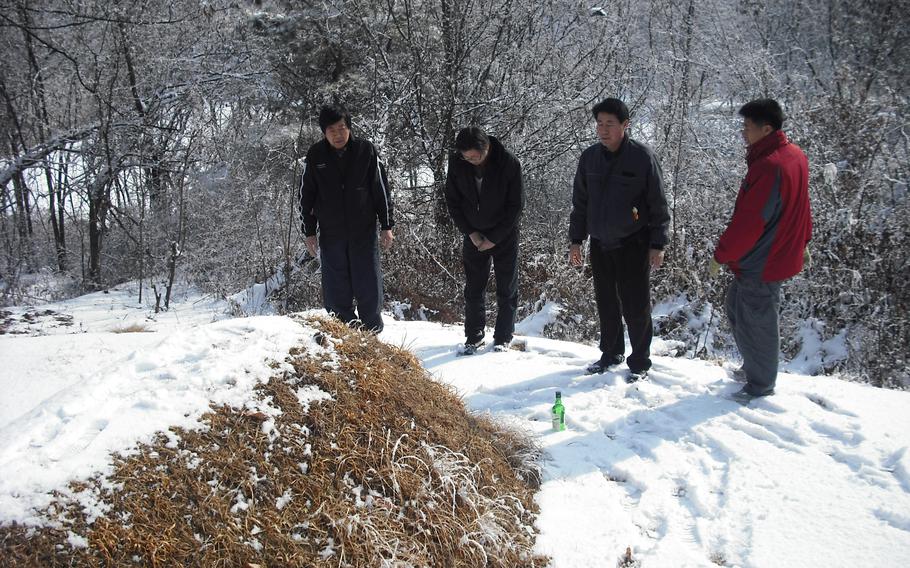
pixel 558 413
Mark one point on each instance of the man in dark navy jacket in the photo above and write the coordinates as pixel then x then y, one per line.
pixel 618 199
pixel 764 243
pixel 485 194
pixel 343 193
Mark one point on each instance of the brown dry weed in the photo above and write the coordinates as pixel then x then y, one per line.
pixel 132 328
pixel 391 471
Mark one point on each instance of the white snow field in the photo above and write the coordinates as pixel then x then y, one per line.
pixel 82 391
pixel 817 475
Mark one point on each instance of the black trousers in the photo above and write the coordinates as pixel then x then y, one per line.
pixel 622 288
pixel 504 257
pixel 350 271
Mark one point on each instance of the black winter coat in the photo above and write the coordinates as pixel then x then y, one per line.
pixel 619 197
pixel 344 196
pixel 495 209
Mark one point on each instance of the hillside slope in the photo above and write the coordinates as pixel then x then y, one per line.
pixel 818 475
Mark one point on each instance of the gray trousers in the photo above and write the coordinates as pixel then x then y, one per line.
pixel 752 308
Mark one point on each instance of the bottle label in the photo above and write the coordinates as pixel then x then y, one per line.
pixel 559 419
pixel 558 414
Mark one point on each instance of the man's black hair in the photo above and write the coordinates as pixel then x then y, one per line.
pixel 763 111
pixel 330 114
pixel 612 106
pixel 472 138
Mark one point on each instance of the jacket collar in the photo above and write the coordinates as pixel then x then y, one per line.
pixel 622 146
pixel 766 145
pixel 495 152
pixel 330 148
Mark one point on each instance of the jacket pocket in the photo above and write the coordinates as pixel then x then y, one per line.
pixel 361 199
pixel 625 205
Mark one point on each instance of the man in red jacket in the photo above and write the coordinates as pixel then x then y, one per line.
pixel 765 242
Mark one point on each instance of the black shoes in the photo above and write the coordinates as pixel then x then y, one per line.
pixel 608 361
pixel 604 363
pixel 471 348
pixel 744 396
pixel 739 375
pixel 635 376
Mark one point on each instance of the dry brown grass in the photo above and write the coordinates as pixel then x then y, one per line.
pixel 132 328
pixel 391 472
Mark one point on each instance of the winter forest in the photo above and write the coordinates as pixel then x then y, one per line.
pixel 153 141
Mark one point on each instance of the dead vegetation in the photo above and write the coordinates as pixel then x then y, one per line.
pixel 391 471
pixel 132 328
pixel 6 321
pixel 32 322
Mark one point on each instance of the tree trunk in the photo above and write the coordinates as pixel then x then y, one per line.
pixel 171 270
pixel 59 236
pixel 679 167
pixel 98 205
pixel 450 65
pixel 44 128
pixel 94 246
pixel 149 152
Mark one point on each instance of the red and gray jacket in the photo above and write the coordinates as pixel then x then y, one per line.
pixel 771 221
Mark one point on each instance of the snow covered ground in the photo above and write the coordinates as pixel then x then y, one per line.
pixel 818 475
pixel 86 387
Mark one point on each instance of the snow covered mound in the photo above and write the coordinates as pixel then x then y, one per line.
pixel 345 452
pixel 817 475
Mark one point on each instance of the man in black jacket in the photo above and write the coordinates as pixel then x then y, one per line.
pixel 485 195
pixel 344 192
pixel 618 199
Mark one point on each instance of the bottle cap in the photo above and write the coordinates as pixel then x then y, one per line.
pixel 558 394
